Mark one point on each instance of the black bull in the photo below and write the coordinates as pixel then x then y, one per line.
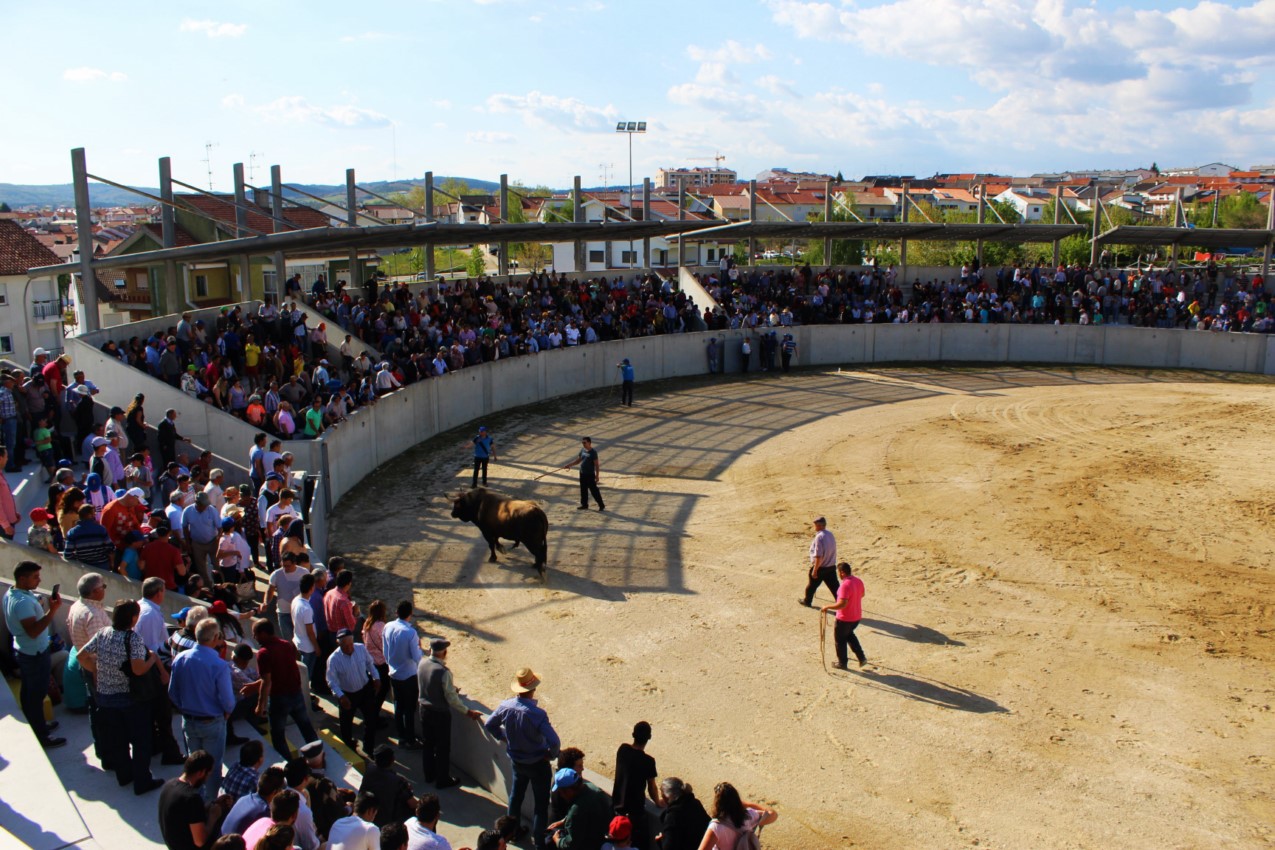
pixel 499 516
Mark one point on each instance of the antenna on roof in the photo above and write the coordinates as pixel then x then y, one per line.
pixel 253 156
pixel 208 146
pixel 606 167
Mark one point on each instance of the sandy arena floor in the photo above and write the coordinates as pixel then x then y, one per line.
pixel 1070 604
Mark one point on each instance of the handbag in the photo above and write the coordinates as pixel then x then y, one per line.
pixel 145 687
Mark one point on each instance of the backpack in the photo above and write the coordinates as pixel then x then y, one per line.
pixel 745 839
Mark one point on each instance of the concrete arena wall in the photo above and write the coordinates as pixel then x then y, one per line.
pixel 148 327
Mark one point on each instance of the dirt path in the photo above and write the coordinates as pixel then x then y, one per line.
pixel 1069 602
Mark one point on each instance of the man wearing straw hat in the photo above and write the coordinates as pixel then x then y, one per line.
pixel 531 742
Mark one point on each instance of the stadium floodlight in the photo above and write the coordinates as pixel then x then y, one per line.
pixel 629 128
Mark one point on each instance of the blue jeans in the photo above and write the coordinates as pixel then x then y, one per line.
pixel 209 736
pixel 310 660
pixel 538 776
pixel 283 706
pixel 36 670
pixel 285 626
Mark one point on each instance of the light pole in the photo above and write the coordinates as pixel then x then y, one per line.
pixel 629 128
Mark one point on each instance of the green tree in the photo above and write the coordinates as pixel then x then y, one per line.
pixel 845 252
pixel 4 207
pixel 1241 210
pixel 477 265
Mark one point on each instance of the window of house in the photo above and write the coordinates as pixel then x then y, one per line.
pixel 4 297
pixel 120 283
pixel 143 280
pixel 597 256
pixel 201 286
pixel 628 257
pixel 661 257
pixel 270 281
pixel 6 344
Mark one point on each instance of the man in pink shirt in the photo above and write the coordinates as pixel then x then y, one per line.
pixel 341 611
pixel 849 608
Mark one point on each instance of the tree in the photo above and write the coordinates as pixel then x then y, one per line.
pixel 477 265
pixel 4 207
pixel 840 179
pixel 1241 210
pixel 845 252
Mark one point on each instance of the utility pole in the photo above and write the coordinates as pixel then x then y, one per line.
pixel 208 146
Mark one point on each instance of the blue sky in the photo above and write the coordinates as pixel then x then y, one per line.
pixel 533 88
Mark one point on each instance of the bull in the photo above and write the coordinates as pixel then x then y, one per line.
pixel 500 516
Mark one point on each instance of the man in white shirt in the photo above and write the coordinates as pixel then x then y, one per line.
pixel 216 495
pixel 421 833
pixel 150 623
pixel 357 832
pixel 307 642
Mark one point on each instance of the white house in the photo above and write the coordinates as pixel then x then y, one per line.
pixel 1029 205
pixel 30 311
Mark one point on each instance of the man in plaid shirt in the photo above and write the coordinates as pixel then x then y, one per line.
pixel 242 778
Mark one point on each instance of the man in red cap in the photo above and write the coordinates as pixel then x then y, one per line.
pixel 620 834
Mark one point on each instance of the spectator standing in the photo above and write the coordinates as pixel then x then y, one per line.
pixel 285 584
pixel 28 621
pixel 373 634
pixel 200 690
pixel 169 437
pixel 150 620
pixel 849 611
pixel 9 421
pixel 530 742
pixel 438 699
pixel 304 636
pixel 353 679
pixel 402 648
pixel 732 817
pixel 125 722
pixel 200 526
pixel 280 696
pixel 635 774
pixel 8 509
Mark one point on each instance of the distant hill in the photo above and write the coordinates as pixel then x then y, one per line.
pixel 18 195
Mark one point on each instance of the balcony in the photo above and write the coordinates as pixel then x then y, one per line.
pixel 48 311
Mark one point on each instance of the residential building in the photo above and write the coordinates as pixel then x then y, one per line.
pixel 673 178
pixel 31 310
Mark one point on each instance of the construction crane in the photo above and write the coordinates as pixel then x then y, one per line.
pixel 718 159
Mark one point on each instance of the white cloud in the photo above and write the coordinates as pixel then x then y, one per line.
pixel 777 86
pixel 731 51
pixel 562 113
pixel 296 109
pixel 92 75
pixel 232 101
pixel 213 29
pixel 487 137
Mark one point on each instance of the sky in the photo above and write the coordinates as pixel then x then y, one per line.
pixel 534 88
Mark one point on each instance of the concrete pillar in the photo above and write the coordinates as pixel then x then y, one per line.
pixel 1057 212
pixel 982 216
pixel 84 234
pixel 1270 234
pixel 241 229
pixel 1093 237
pixel 167 299
pixel 429 216
pixel 351 218
pixel 752 216
pixel 646 217
pixel 827 217
pixel 577 215
pixel 503 259
pixel 276 209
pixel 903 243
pixel 681 216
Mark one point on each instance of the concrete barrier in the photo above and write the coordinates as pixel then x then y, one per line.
pixel 147 328
pixel 336 334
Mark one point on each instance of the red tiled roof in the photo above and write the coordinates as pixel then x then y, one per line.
pixel 20 250
pixel 222 209
pixel 184 237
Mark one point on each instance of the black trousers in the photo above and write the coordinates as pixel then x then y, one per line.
pixel 626 393
pixel 405 694
pixel 587 486
pixel 827 575
pixel 843 634
pixel 364 702
pixel 480 463
pixel 436 733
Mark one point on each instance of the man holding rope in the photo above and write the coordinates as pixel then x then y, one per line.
pixel 849 611
pixel 590 472
pixel 823 560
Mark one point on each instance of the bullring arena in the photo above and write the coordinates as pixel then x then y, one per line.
pixel 1068 615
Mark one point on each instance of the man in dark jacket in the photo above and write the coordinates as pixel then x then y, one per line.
pixel 589 815
pixel 168 437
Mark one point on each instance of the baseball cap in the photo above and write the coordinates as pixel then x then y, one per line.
pixel 138 492
pixel 344 633
pixel 273 476
pixel 227 522
pixel 564 778
pixel 621 829
pixel 100 441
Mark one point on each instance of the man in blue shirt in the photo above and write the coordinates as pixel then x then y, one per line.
pixel 626 381
pixel 200 690
pixel 531 742
pixel 251 807
pixel 401 646
pixel 28 622
pixel 89 542
pixel 484 450
pixel 201 523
